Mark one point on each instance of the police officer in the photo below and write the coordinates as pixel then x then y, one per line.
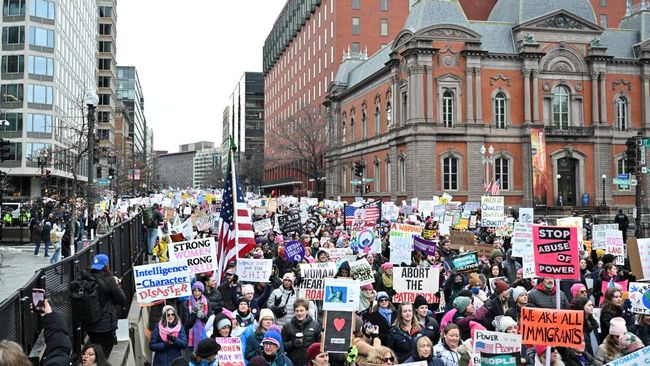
pixel 623 223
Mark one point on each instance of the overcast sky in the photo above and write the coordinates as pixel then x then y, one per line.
pixel 189 55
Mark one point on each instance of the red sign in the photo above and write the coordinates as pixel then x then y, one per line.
pixel 556 252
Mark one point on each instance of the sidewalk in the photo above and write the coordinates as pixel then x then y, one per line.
pixel 18 266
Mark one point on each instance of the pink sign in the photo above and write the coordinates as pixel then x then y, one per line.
pixel 556 252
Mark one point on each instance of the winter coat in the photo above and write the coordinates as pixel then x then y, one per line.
pixel 34 234
pixel 415 357
pixel 228 295
pixel 449 357
pixel 279 297
pixel 47 228
pixel 607 315
pixel 643 331
pixel 401 342
pixel 510 267
pixel 431 329
pixel 601 356
pixel 165 352
pixel 214 299
pixel 542 299
pixel 377 319
pixel 112 299
pixel 494 308
pixel 57 340
pixel 253 345
pixel 311 331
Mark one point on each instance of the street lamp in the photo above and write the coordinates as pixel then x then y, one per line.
pixel 559 195
pixel 604 178
pixel 487 158
pixel 91 99
pixel 43 161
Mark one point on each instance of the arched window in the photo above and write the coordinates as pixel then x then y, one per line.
pixel 450 174
pixel 352 128
pixel 344 179
pixel 364 123
pixel 402 174
pixel 500 101
pixel 621 113
pixel 561 113
pixel 377 120
pixel 389 114
pixel 343 131
pixel 502 172
pixel 377 181
pixel 448 109
pixel 389 177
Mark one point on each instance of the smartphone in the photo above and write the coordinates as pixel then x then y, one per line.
pixel 38 299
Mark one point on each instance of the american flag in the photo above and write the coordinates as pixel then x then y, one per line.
pixel 373 213
pixel 496 187
pixel 236 237
pixel 484 347
pixel 486 186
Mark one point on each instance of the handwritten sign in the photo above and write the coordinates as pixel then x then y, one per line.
pixel 464 263
pixel 262 226
pixel 341 294
pixel 416 279
pixel 231 353
pixel 313 274
pixel 552 327
pixel 401 242
pixel 526 215
pixel 522 240
pixel 640 297
pixel 599 235
pixel 161 281
pixel 496 342
pixel 199 254
pixel 254 270
pixel 616 246
pixel 644 252
pixel 492 211
pixel 295 251
pixel 290 223
pixel 556 252
pixel 362 271
pixel 507 359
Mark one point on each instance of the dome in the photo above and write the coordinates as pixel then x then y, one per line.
pixel 425 13
pixel 521 11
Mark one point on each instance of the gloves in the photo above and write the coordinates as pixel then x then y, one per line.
pixel 171 338
pixel 627 305
pixel 198 306
pixel 199 314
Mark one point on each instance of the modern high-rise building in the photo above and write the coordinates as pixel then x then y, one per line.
pixel 195 146
pixel 106 84
pixel 207 168
pixel 49 51
pixel 129 90
pixel 245 123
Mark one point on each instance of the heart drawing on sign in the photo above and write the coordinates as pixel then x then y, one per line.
pixel 339 323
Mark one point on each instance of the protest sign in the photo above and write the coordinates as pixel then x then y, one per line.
pixel 576 222
pixel 426 208
pixel 528 265
pixel 643 246
pixel 522 240
pixel 186 229
pixel 556 252
pixel 492 211
pixel 599 235
pixel 496 342
pixel 427 247
pixel 362 271
pixel 464 263
pixel 290 223
pixel 470 207
pixel 431 298
pixel 313 276
pixel 401 242
pixel 389 211
pixel 446 198
pixel 416 279
pixel 484 250
pixel 526 215
pixel 202 221
pixel 604 285
pixel 336 253
pixel 337 337
pixel 640 297
pixel 364 241
pixel 429 234
pixel 200 254
pixel 262 226
pixel 254 270
pixel 161 281
pixel 341 294
pixel 552 327
pixel 615 245
pixel 295 251
pixel 508 359
pixel 640 357
pixel 231 352
pixel 462 239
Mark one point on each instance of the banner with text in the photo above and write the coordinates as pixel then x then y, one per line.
pixel 200 254
pixel 522 240
pixel 556 252
pixel 161 281
pixel 313 276
pixel 492 208
pixel 254 270
pixel 416 279
pixel 640 297
pixel 640 357
pixel 401 242
pixel 231 352
pixel 616 246
pixel 552 327
pixel 362 271
pixel 496 342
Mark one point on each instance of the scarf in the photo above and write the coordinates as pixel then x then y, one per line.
pixel 366 299
pixel 244 320
pixel 164 330
pixel 388 281
pixel 386 313
pixel 196 333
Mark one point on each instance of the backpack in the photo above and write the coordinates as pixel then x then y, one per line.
pixel 84 296
pixel 38 227
pixel 147 215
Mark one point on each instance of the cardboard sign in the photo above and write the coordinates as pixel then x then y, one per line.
pixel 313 279
pixel 295 251
pixel 362 271
pixel 290 223
pixel 462 239
pixel 161 281
pixel 337 337
pixel 508 359
pixel 427 247
pixel 551 327
pixel 254 270
pixel 341 294
pixel 556 252
pixel 492 211
pixel 262 226
pixel 599 235
pixel 526 215
pixel 496 342
pixel 464 263
pixel 575 222
pixel 640 357
pixel 640 297
pixel 231 352
pixel 634 254
pixel 401 242
pixel 416 279
pixel 200 254
pixel 484 250
pixel 522 240
pixel 615 246
pixel 336 253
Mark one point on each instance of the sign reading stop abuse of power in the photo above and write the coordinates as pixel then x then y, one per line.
pixel 556 252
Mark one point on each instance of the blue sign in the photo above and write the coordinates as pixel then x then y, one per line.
pixel 294 251
pixel 623 176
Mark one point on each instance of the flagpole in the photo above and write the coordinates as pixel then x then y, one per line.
pixel 234 197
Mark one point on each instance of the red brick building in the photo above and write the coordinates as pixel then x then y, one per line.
pixel 418 111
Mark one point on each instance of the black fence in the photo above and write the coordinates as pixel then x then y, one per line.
pixel 125 247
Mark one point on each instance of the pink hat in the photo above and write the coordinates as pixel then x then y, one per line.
pixel 367 287
pixel 386 266
pixel 473 327
pixel 576 288
pixel 617 326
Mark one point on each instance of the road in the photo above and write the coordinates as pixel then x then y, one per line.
pixel 18 265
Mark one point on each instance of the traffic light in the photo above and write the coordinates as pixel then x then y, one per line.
pixel 97 150
pixel 630 156
pixel 359 167
pixel 4 149
pixel 111 173
pixel 367 188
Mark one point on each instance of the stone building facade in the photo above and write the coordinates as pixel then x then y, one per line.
pixel 418 111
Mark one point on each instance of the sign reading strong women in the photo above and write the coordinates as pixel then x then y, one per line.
pixel 556 252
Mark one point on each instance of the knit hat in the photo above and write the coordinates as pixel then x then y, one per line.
pixel 289 276
pixel 313 351
pixel 419 301
pixel 258 361
pixel 382 295
pixel 367 287
pixel 617 326
pixel 518 291
pixel 629 343
pixel 496 253
pixel 272 336
pixel 266 313
pixel 474 326
pixel 247 289
pixel 576 288
pixel 461 303
pixel 207 347
pixel 540 349
pixel 223 323
pixel 506 322
pixel 387 265
pixel 500 286
pixel 199 285
pixel 474 280
pixel 243 299
pixel 167 307
pixel 608 258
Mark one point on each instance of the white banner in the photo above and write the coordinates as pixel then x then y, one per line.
pixel 341 294
pixel 416 279
pixel 526 215
pixel 313 276
pixel 200 255
pixel 640 297
pixel 599 235
pixel 161 281
pixel 616 246
pixel 640 357
pixel 644 252
pixel 496 342
pixel 254 270
pixel 401 242
pixel 522 240
pixel 262 226
pixel 362 271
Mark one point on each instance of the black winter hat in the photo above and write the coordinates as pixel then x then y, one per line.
pixel 207 348
pixel 419 301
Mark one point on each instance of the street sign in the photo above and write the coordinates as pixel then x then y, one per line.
pixel 646 142
pixel 353 182
pixel 619 181
pixel 644 170
pixel 623 176
pixel 633 182
pixel 103 181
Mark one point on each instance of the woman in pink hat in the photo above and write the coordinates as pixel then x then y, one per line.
pixel 609 350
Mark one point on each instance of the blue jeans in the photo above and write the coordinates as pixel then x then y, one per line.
pixel 37 242
pixel 152 235
pixel 56 256
pixel 38 245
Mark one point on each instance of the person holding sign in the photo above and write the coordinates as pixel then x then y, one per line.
pixel 205 353
pixel 168 338
pixel 540 357
pixel 254 339
pixel 611 308
pixel 403 332
pixel 543 296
